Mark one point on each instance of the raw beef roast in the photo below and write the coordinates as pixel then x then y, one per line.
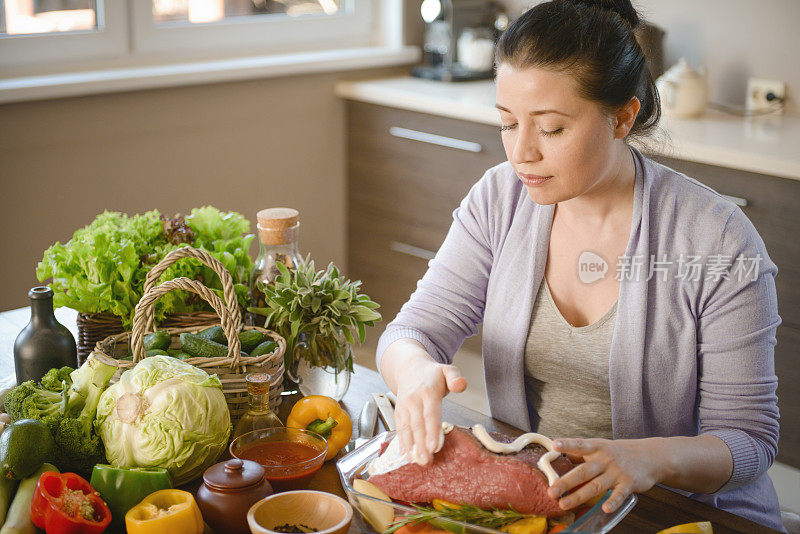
pixel 465 472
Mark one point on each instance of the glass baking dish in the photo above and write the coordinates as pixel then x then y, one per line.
pixel 354 465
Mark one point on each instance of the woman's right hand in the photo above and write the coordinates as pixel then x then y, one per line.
pixel 420 384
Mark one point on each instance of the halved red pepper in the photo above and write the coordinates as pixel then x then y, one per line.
pixel 65 503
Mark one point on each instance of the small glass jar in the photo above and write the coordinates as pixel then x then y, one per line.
pixel 278 231
pixel 258 416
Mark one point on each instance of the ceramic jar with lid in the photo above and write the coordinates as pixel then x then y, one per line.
pixel 683 90
pixel 229 489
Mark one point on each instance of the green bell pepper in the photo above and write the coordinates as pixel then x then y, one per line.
pixel 122 489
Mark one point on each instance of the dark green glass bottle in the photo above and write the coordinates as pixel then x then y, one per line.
pixel 44 343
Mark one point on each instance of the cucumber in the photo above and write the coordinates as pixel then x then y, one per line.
pixel 201 347
pixel 18 520
pixel 215 334
pixel 24 446
pixel 250 339
pixel 157 340
pixel 178 353
pixel 264 348
pixel 155 352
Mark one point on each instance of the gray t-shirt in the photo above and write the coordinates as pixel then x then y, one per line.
pixel 567 370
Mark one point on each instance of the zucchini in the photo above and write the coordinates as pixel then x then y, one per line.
pixel 18 520
pixel 7 487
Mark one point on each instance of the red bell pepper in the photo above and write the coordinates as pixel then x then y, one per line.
pixel 66 504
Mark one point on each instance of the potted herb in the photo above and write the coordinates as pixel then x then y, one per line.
pixel 320 314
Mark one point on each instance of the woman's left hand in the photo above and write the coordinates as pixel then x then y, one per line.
pixel 625 465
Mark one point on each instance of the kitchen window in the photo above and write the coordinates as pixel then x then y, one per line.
pixel 258 26
pixel 58 31
pixel 71 37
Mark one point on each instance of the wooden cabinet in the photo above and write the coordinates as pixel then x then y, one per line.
pixel 408 171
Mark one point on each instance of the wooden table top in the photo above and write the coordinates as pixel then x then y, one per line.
pixel 656 509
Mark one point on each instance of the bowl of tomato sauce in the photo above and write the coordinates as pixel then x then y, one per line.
pixel 290 456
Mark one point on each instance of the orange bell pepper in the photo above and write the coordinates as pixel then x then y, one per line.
pixel 324 416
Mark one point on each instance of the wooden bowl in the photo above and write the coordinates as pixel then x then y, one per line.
pixel 325 512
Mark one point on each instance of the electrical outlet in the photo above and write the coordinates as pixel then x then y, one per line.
pixel 757 91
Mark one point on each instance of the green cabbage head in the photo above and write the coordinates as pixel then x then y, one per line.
pixel 164 413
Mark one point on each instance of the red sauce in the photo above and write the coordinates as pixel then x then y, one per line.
pixel 280 460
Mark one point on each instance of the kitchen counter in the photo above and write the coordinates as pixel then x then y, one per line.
pixel 766 145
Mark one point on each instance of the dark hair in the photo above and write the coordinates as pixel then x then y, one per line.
pixel 594 41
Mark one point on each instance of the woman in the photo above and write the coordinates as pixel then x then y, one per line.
pixel 650 371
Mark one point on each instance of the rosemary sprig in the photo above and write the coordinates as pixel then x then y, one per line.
pixel 494 518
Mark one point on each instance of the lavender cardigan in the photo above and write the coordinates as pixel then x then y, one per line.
pixel 686 357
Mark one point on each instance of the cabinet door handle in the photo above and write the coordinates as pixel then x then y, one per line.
pixel 411 250
pixel 739 201
pixel 434 139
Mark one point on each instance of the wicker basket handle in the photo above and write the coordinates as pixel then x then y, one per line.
pixel 230 325
pixel 189 252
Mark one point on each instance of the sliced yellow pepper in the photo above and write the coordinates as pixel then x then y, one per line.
pixel 703 527
pixel 324 416
pixel 444 506
pixel 529 525
pixel 170 510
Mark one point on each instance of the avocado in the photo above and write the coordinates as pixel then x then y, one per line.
pixel 24 446
pixel 157 340
pixel 264 348
pixel 250 339
pixel 215 334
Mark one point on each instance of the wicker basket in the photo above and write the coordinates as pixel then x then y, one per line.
pixel 230 369
pixel 94 327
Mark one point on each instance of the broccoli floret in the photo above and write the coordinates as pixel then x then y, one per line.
pixel 68 413
pixel 54 378
pixel 79 447
pixel 29 401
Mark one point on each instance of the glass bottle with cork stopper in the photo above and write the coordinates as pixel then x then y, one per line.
pixel 278 231
pixel 259 415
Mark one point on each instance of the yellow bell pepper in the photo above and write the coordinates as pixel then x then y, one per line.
pixel 170 510
pixel 324 416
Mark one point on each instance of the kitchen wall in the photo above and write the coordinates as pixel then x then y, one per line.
pixel 734 39
pixel 239 146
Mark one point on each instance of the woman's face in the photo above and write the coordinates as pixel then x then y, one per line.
pixel 549 131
